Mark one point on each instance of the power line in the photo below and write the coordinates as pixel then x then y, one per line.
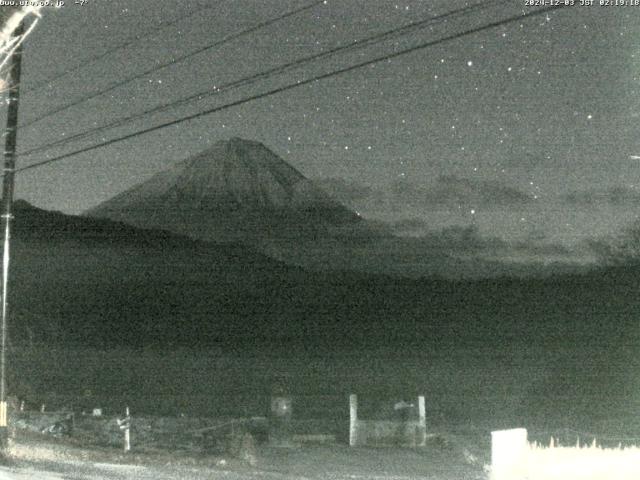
pixel 174 61
pixel 293 85
pixel 366 42
pixel 122 46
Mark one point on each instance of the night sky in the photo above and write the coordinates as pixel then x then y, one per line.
pixel 536 120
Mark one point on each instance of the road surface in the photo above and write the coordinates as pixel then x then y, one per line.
pixel 112 471
pixel 34 458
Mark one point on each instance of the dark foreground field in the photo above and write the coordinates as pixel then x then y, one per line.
pixel 107 315
pixel 544 388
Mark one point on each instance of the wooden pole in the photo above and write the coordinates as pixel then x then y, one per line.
pixel 353 420
pixel 11 133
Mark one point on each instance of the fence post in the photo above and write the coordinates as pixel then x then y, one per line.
pixel 422 420
pixel 353 420
pixel 509 450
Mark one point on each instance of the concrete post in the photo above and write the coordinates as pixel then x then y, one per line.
pixel 422 421
pixel 353 420
pixel 127 432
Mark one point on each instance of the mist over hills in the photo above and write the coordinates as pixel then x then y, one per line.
pixel 240 191
pixel 449 191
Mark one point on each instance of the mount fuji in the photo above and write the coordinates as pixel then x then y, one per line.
pixel 236 191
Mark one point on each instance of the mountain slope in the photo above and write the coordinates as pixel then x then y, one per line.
pixel 237 190
pixel 96 282
pixel 100 282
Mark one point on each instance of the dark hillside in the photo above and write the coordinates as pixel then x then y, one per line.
pixel 102 282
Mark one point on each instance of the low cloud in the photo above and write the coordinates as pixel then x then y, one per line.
pixel 461 239
pixel 446 192
pixel 618 195
pixel 454 191
pixel 346 191
pixel 620 249
pixel 431 227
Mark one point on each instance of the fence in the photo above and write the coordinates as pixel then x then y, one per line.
pixel 408 429
pixel 283 420
pixel 187 434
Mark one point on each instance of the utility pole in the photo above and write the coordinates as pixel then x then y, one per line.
pixel 11 132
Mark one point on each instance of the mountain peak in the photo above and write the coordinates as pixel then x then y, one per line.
pixel 236 189
pixel 235 146
pixel 243 169
pixel 242 142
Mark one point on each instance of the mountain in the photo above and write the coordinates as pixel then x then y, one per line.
pixel 238 190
